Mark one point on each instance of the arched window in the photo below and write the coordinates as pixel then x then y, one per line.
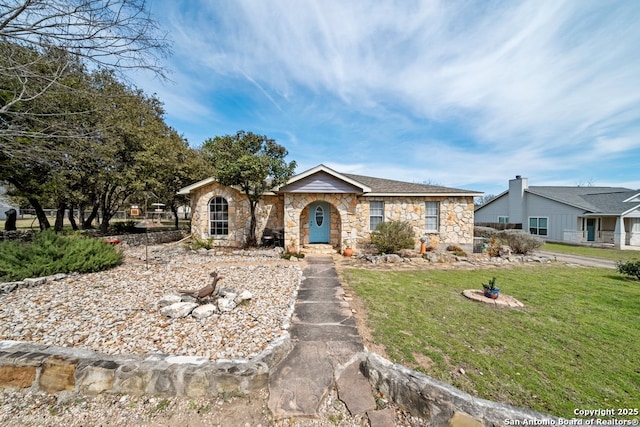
pixel 218 217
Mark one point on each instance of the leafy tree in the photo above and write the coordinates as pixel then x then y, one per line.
pixel 169 164
pixel 252 162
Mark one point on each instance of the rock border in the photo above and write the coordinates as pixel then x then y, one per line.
pixel 54 369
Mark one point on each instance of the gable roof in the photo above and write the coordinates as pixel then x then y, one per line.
pixel 389 187
pixel 366 185
pixel 603 200
pixel 371 186
pixel 595 200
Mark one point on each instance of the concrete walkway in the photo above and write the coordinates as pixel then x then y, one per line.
pixel 578 259
pixel 326 350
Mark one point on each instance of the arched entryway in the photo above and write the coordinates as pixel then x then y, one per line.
pixel 319 222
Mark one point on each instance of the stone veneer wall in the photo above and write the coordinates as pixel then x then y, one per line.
pixel 349 216
pixel 343 207
pixel 268 214
pixel 455 222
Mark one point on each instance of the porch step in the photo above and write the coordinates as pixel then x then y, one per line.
pixel 318 248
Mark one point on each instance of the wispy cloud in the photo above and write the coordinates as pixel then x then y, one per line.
pixel 548 86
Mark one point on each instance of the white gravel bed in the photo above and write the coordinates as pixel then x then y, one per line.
pixel 115 311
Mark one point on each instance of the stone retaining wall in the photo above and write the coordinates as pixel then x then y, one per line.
pixel 439 403
pixel 55 369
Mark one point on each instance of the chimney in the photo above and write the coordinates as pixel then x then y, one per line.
pixel 517 209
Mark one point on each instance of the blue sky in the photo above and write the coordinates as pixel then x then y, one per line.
pixel 464 94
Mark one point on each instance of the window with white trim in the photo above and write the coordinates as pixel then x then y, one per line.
pixel 538 225
pixel 218 217
pixel 432 216
pixel 376 214
pixel 503 220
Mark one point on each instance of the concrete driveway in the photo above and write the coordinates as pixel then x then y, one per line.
pixel 578 259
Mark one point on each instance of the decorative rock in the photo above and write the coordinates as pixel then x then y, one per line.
pixel 179 309
pixel 393 258
pixel 244 296
pixel 226 304
pixel 505 251
pixel 188 298
pixel 34 281
pixel 169 300
pixel 461 419
pixel 204 311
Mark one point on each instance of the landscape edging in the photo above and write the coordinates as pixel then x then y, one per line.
pixel 439 402
pixel 54 369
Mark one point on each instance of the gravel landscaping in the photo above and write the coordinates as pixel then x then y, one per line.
pixel 116 312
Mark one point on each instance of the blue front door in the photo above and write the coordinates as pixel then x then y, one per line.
pixel 591 229
pixel 319 222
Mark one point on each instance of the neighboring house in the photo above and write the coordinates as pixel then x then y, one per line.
pixel 321 205
pixel 5 204
pixel 569 214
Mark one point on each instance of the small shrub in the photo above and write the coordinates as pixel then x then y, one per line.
pixel 51 253
pixel 196 244
pixel 520 241
pixel 629 268
pixel 456 250
pixel 389 237
pixel 493 250
pixel 287 255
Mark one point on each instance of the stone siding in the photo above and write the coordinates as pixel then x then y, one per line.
pixel 455 218
pixel 349 216
pixel 268 214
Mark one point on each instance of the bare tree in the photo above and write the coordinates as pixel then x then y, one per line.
pixel 40 40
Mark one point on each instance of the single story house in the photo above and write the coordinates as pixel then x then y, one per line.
pixel 582 215
pixel 321 205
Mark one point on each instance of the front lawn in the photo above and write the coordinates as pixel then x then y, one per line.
pixel 576 344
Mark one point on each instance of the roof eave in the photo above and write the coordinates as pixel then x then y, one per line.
pixel 469 194
pixel 189 188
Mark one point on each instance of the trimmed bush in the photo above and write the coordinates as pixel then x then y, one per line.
pixel 50 253
pixel 389 237
pixel 520 241
pixel 629 268
pixel 486 232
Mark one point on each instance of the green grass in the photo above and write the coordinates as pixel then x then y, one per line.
pixel 606 253
pixel 576 344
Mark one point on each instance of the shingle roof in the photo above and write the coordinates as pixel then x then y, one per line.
pixel 592 199
pixel 389 186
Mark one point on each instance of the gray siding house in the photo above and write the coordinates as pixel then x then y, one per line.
pixel 583 215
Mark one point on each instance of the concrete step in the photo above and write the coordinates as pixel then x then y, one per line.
pixel 318 248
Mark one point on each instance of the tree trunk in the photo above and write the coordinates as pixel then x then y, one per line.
pixel 251 238
pixel 72 219
pixel 87 224
pixel 59 225
pixel 174 210
pixel 42 217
